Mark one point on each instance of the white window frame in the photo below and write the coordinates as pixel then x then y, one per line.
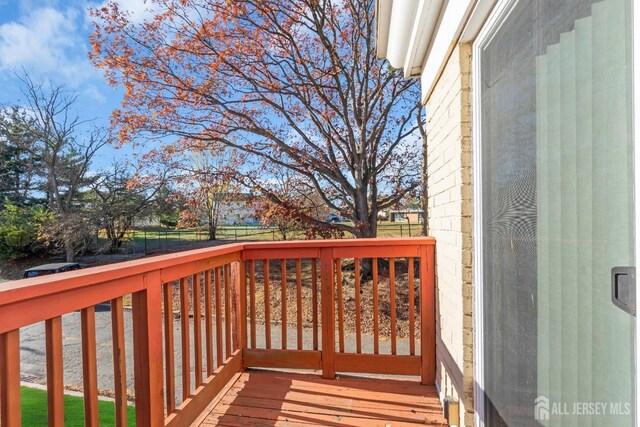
pixel 498 16
pixel 636 150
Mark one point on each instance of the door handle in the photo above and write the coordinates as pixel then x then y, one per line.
pixel 623 288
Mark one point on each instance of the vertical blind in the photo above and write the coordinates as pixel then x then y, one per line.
pixel 584 175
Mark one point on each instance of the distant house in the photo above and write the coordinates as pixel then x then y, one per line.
pixel 150 221
pixel 406 215
pixel 241 209
pixel 237 209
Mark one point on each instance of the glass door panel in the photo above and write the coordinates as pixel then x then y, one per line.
pixel 557 213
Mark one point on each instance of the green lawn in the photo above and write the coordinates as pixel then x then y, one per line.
pixel 34 410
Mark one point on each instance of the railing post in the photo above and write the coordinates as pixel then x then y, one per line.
pixel 55 384
pixel 328 307
pixel 147 352
pixel 427 315
pixel 239 305
pixel 10 408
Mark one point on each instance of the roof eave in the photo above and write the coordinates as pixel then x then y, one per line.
pixel 404 30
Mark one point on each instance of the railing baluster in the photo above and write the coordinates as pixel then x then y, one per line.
pixel 10 408
pixel 427 315
pixel 218 286
pixel 170 382
pixel 147 351
pixel 239 304
pixel 299 300
pixel 227 311
pixel 197 329
pixel 267 306
pixel 89 368
pixel 314 301
pixel 340 301
pixel 356 269
pixel 283 301
pixel 184 337
pixel 208 321
pixel 328 315
pixel 392 302
pixel 412 314
pixel 55 384
pixel 252 301
pixel 119 364
pixel 376 329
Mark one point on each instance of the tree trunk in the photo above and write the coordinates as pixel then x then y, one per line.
pixel 113 239
pixel 212 231
pixel 366 214
pixel 115 243
pixel 68 248
pixel 368 229
pixel 424 181
pixel 425 189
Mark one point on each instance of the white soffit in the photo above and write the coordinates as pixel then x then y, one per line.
pixel 424 25
pixel 451 24
pixel 419 35
pixel 395 25
pixel 383 20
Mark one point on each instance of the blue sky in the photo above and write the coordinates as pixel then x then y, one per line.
pixel 50 39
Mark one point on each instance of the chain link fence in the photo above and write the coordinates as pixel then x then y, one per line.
pixel 160 239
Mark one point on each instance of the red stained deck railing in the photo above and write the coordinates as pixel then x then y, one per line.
pixel 219 287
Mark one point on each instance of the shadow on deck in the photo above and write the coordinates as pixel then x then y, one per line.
pixel 275 398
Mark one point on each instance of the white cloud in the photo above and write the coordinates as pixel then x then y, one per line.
pixel 93 92
pixel 47 41
pixel 139 10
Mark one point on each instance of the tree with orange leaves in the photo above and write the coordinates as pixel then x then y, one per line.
pixel 290 203
pixel 293 85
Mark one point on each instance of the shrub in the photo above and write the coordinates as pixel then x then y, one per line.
pixel 19 229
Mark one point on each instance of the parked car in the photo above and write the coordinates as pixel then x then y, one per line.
pixel 334 218
pixel 45 269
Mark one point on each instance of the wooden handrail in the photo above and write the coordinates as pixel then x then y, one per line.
pixel 216 278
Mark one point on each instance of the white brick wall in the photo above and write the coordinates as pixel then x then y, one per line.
pixel 450 222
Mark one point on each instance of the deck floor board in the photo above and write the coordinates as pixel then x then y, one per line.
pixel 274 398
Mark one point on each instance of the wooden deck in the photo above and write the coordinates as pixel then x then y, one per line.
pixel 272 398
pixel 215 289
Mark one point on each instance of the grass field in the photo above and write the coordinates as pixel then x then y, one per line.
pixel 34 410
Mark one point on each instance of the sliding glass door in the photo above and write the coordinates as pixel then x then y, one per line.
pixel 556 212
